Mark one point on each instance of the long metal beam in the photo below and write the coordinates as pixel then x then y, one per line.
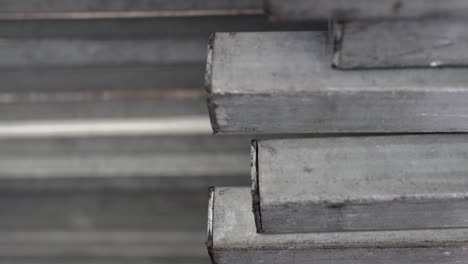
pixel 278 82
pixel 100 52
pixel 70 71
pixel 232 239
pixel 121 157
pixel 400 44
pixel 102 247
pixel 361 183
pixel 86 9
pixel 306 10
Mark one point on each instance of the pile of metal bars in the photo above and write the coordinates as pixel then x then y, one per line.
pixel 382 96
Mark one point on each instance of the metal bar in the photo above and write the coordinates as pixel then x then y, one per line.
pixel 148 28
pixel 234 240
pixel 62 113
pixel 70 71
pixel 361 183
pixel 92 9
pixel 100 79
pixel 102 246
pixel 121 157
pixel 50 52
pixel 400 44
pixel 305 10
pixel 283 82
pixel 185 125
pixel 81 55
pixel 107 211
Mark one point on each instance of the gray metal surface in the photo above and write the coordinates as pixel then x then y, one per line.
pixel 80 55
pixel 73 192
pixel 234 240
pixel 136 28
pixel 102 247
pixel 400 44
pixel 112 199
pixel 101 105
pixel 361 183
pixel 102 226
pixel 277 82
pixel 69 70
pixel 109 224
pixel 300 10
pixel 163 156
pixel 85 9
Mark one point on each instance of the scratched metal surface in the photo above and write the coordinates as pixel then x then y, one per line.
pixel 400 44
pixel 234 240
pixel 283 82
pixel 362 183
pixel 300 10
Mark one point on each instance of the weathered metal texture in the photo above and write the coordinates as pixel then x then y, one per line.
pixel 86 9
pixel 361 183
pixel 283 82
pixel 400 44
pixel 303 10
pixel 234 240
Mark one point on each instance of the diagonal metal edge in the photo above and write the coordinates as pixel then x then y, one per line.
pixel 255 186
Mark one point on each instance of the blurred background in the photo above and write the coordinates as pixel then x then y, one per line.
pixel 106 152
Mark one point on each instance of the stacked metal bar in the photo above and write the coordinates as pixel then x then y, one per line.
pixel 112 199
pixel 105 146
pixel 380 177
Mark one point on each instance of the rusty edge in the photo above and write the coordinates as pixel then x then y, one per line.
pixel 209 229
pixel 208 85
pixel 337 34
pixel 255 186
